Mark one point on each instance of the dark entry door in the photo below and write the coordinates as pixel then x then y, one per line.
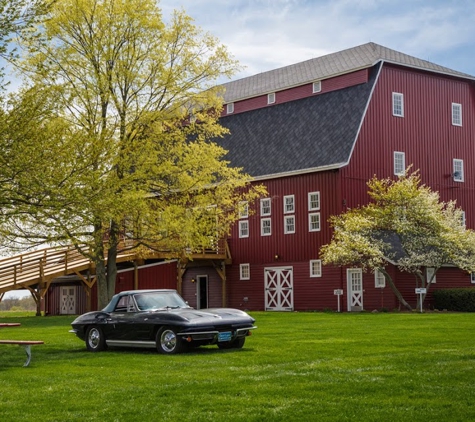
pixel 202 291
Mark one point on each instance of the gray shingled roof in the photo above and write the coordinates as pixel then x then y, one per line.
pixel 302 135
pixel 363 56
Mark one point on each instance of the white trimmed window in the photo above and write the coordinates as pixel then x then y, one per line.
pixel 472 278
pixel 289 224
pixel 289 204
pixel 379 280
pixel 315 268
pixel 463 220
pixel 316 87
pixel 456 114
pixel 430 275
pixel 243 228
pixel 398 104
pixel 243 209
pixel 271 98
pixel 229 108
pixel 266 227
pixel 265 207
pixel 314 222
pixel 244 272
pixel 313 201
pixel 458 170
pixel 399 163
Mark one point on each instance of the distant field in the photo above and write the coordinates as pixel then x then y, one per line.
pixel 295 367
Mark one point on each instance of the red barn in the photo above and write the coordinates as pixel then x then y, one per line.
pixel 314 133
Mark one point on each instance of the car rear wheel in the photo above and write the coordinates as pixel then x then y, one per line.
pixel 168 342
pixel 95 340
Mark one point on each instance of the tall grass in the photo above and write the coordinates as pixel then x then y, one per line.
pixel 295 367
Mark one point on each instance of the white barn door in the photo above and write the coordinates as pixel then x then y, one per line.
pixel 279 289
pixel 354 278
pixel 68 300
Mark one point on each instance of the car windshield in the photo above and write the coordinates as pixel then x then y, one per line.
pixel 159 300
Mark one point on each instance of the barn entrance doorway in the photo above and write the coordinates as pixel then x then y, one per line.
pixel 68 300
pixel 279 289
pixel 202 291
pixel 354 278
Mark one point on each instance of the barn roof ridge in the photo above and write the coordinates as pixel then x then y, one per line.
pixel 324 67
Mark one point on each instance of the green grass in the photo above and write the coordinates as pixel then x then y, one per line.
pixel 295 367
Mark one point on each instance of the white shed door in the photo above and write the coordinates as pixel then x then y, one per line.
pixel 279 289
pixel 68 300
pixel 355 289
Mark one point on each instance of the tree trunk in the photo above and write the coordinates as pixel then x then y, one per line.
pixel 112 259
pixel 395 290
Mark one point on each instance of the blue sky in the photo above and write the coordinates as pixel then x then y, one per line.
pixel 267 34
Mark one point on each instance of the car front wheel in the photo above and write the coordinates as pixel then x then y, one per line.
pixel 236 344
pixel 95 340
pixel 168 342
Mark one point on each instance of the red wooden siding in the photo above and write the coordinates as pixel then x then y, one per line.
pixel 302 245
pixel 302 91
pixel 425 134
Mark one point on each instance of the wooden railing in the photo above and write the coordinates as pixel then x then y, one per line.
pixel 44 265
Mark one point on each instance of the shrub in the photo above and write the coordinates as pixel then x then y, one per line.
pixel 462 300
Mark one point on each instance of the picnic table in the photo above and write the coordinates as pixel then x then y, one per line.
pixel 25 343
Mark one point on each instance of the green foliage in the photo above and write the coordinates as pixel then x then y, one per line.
pixel 295 367
pixel 126 153
pixel 461 300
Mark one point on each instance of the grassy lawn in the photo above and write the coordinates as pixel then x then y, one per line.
pixel 295 367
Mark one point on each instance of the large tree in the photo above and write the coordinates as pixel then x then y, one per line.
pixel 405 224
pixel 135 159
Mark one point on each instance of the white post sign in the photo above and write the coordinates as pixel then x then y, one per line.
pixel 338 292
pixel 421 291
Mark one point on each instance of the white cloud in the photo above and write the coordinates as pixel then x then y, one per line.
pixel 265 34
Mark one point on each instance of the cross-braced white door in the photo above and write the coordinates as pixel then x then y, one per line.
pixel 68 300
pixel 279 289
pixel 354 278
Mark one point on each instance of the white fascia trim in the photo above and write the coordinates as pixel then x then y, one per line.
pixel 298 172
pixel 148 266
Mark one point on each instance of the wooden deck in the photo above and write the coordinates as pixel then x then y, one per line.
pixel 42 266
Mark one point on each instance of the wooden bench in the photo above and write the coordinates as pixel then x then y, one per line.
pixel 26 344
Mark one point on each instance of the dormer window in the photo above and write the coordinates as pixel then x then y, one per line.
pixel 229 108
pixel 271 98
pixel 316 87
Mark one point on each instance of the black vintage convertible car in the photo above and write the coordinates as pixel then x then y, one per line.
pixel 161 319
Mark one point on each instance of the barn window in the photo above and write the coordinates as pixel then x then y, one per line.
pixel 289 224
pixel 316 87
pixel 229 108
pixel 456 114
pixel 244 272
pixel 265 207
pixel 314 222
pixel 315 268
pixel 289 204
pixel 398 104
pixel 313 201
pixel 472 278
pixel 430 275
pixel 271 98
pixel 463 219
pixel 266 229
pixel 399 163
pixel 243 228
pixel 379 280
pixel 457 170
pixel 243 209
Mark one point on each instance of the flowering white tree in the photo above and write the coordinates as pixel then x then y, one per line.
pixel 405 224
